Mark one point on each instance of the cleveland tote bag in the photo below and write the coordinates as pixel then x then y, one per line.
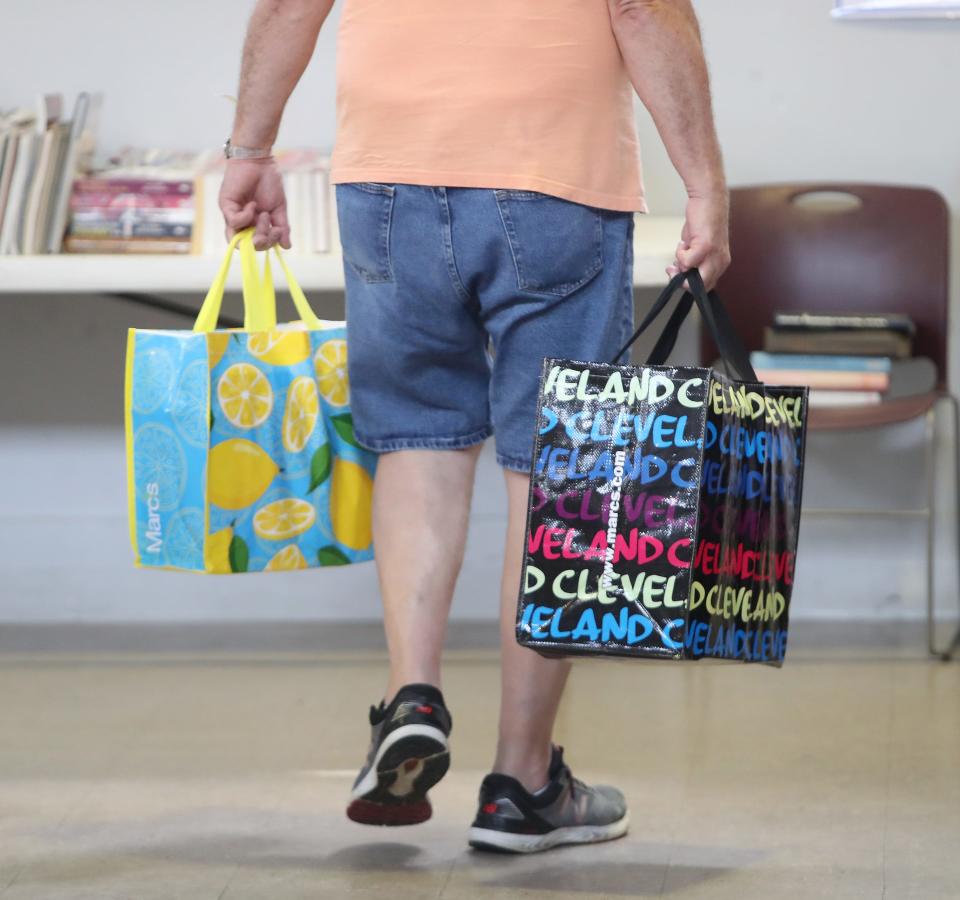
pixel 241 455
pixel 664 503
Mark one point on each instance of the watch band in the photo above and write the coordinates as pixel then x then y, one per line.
pixel 231 151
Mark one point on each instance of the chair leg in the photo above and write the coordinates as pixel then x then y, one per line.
pixel 954 644
pixel 930 433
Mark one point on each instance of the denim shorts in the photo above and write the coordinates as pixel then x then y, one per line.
pixel 454 297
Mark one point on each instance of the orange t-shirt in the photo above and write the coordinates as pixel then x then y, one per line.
pixel 522 94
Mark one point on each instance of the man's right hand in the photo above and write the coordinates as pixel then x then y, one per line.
pixel 252 195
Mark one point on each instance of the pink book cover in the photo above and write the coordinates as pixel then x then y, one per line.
pixel 86 201
pixel 141 186
pixel 827 380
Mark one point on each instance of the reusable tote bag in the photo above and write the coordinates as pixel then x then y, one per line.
pixel 241 455
pixel 664 504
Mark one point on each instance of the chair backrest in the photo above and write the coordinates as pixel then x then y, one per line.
pixel 829 247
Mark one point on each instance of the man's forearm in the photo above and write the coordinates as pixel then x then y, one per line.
pixel 660 44
pixel 280 40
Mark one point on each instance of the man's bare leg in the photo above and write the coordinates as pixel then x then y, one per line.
pixel 531 686
pixel 421 507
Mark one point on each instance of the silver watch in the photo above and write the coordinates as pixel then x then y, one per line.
pixel 232 152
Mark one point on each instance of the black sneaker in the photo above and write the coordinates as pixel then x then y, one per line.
pixel 565 811
pixel 408 755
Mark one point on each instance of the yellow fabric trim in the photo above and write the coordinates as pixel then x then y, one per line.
pixel 128 433
pixel 206 498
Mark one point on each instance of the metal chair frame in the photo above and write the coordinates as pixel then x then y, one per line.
pixel 928 512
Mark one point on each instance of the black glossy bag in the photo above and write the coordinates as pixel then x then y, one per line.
pixel 664 504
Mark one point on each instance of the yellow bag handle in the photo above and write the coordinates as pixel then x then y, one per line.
pixel 259 299
pixel 307 315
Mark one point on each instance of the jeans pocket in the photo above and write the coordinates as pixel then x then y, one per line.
pixel 364 211
pixel 557 245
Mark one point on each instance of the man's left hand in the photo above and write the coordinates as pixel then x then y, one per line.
pixel 705 240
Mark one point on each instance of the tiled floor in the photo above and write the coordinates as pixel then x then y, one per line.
pixel 214 764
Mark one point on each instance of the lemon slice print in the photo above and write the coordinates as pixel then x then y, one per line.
pixel 287 559
pixel 217 342
pixel 153 374
pixel 280 348
pixel 300 416
pixel 330 364
pixel 190 403
pixel 159 466
pixel 245 395
pixel 183 542
pixel 283 519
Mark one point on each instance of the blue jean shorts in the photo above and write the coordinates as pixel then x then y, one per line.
pixel 454 297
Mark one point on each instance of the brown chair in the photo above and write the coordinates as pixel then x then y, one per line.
pixel 850 248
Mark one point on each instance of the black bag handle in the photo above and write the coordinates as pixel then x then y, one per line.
pixel 735 357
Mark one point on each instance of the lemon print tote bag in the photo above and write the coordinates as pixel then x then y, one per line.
pixel 241 455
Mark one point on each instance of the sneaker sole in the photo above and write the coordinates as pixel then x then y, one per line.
pixel 410 762
pixel 507 842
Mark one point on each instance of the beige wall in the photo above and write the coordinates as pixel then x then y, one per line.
pixel 800 96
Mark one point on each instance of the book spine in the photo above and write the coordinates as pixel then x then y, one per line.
pixel 844 398
pixel 61 202
pixel 120 245
pixel 6 173
pixel 829 363
pixel 132 186
pixel 167 216
pixel 294 211
pixel 130 230
pixel 320 185
pixel 864 343
pixel 814 378
pixel 830 322
pixel 127 201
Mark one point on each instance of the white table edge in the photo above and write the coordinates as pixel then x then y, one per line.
pixel 655 240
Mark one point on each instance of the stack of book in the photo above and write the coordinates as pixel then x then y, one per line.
pixel 154 201
pixel 845 360
pixel 131 215
pixel 40 152
pixel 52 198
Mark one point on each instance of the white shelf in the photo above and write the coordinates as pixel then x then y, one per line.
pixel 656 239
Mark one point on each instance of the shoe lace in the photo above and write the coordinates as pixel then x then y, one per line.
pixel 575 783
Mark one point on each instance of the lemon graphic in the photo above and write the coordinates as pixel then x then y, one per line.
pixel 245 395
pixel 330 364
pixel 217 342
pixel 216 555
pixel 190 403
pixel 159 466
pixel 280 348
pixel 283 519
pixel 351 495
pixel 183 540
pixel 238 473
pixel 153 374
pixel 300 416
pixel 287 559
